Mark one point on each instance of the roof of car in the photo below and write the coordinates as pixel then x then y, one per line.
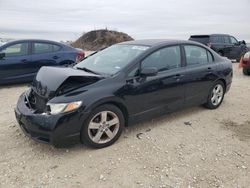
pixel 33 40
pixel 156 42
pixel 210 35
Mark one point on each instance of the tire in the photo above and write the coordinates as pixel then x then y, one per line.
pixel 97 131
pixel 245 71
pixel 216 95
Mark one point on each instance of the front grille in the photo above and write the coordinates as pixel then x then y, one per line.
pixel 37 102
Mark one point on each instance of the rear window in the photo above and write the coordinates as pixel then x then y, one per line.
pixel 204 39
pixel 197 55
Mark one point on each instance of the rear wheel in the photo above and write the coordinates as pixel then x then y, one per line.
pixel 103 126
pixel 216 95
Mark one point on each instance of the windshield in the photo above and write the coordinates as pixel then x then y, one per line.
pixel 111 60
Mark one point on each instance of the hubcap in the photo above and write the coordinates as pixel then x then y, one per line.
pixel 217 94
pixel 103 127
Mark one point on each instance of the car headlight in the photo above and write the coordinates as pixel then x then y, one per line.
pixel 56 108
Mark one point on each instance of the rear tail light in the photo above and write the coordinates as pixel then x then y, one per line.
pixel 246 58
pixel 79 56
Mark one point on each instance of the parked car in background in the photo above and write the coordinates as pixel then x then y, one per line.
pixel 248 46
pixel 223 44
pixel 20 60
pixel 127 82
pixel 246 64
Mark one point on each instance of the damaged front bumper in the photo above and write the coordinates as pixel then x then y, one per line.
pixel 59 130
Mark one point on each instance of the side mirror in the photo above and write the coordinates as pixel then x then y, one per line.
pixel 2 55
pixel 149 71
pixel 243 42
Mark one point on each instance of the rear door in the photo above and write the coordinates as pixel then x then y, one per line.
pixel 14 67
pixel 200 74
pixel 217 43
pixel 227 46
pixel 45 54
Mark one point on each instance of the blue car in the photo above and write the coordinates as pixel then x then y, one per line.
pixel 20 60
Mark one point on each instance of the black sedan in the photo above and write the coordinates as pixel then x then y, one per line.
pixel 127 82
pixel 20 60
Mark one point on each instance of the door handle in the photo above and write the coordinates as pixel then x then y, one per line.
pixel 24 61
pixel 55 57
pixel 209 69
pixel 178 76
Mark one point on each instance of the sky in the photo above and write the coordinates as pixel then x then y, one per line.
pixel 142 19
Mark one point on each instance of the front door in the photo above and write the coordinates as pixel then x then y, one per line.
pixel 162 92
pixel 15 65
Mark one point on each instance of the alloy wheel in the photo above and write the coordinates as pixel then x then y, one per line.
pixel 217 94
pixel 103 127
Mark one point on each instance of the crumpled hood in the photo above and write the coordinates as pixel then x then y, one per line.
pixel 52 81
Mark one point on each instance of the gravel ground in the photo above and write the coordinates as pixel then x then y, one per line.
pixel 194 147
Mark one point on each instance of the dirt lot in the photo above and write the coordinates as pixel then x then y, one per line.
pixel 195 147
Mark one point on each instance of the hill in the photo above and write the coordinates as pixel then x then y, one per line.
pixel 98 39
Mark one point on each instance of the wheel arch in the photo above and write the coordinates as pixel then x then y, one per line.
pixel 116 102
pixel 223 81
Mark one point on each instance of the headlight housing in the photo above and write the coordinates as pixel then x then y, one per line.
pixel 57 108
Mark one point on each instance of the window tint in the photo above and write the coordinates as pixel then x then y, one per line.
pixel 210 57
pixel 233 40
pixel 45 48
pixel 227 39
pixel 217 39
pixel 164 59
pixel 16 50
pixel 197 55
pixel 56 48
pixel 133 72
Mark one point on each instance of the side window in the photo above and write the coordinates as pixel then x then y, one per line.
pixel 197 55
pixel 221 39
pixel 217 39
pixel 19 49
pixel 210 57
pixel 214 39
pixel 164 59
pixel 227 39
pixel 233 40
pixel 40 48
pixel 133 72
pixel 56 47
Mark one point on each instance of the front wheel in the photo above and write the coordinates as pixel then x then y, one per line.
pixel 103 126
pixel 216 96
